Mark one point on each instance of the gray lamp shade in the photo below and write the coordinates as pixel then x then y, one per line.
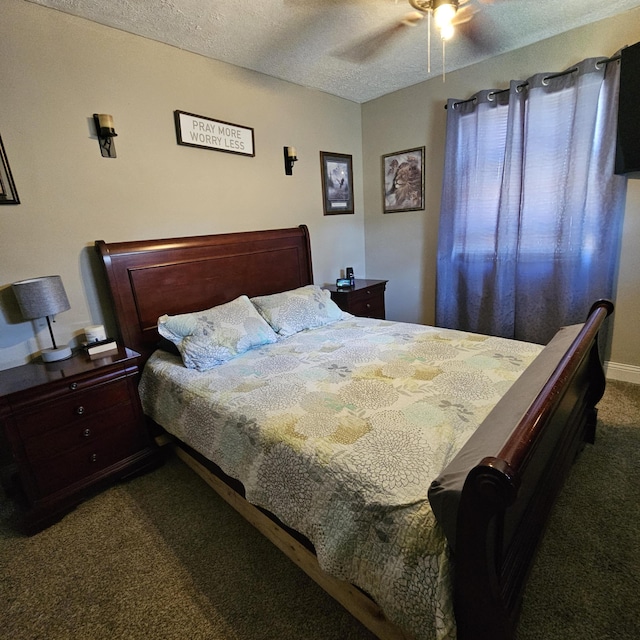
pixel 41 297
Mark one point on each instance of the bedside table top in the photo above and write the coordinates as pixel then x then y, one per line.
pixel 360 283
pixel 37 372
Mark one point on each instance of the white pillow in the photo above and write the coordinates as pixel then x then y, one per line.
pixel 292 311
pixel 209 338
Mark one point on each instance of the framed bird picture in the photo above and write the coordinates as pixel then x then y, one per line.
pixel 337 183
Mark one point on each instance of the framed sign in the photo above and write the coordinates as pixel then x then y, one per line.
pixel 206 133
pixel 337 183
pixel 8 193
pixel 403 180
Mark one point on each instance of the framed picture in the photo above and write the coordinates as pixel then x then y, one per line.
pixel 403 180
pixel 337 183
pixel 8 193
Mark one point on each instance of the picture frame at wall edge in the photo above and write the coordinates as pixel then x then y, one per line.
pixel 8 191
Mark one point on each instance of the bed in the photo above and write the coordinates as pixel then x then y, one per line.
pixel 464 527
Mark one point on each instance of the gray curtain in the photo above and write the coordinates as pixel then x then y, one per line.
pixel 531 210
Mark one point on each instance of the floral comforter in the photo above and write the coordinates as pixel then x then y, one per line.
pixel 339 431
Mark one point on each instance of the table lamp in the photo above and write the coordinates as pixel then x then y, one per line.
pixel 41 298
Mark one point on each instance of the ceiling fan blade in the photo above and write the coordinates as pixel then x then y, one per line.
pixel 375 43
pixel 464 14
pixel 477 31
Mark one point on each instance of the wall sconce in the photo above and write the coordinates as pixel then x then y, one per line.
pixel 289 159
pixel 106 134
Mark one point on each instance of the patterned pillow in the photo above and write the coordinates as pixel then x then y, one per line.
pixel 292 311
pixel 209 338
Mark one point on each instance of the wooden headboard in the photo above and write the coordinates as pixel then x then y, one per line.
pixel 178 275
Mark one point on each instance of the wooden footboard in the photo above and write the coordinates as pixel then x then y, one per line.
pixel 507 497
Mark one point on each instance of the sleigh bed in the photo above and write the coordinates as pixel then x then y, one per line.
pixel 340 417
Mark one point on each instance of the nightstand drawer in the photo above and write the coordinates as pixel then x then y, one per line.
pixel 368 307
pixel 46 417
pixel 81 463
pixel 367 293
pixel 78 433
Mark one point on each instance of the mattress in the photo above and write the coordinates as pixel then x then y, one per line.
pixel 339 431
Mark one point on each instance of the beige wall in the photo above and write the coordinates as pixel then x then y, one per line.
pixel 402 246
pixel 56 71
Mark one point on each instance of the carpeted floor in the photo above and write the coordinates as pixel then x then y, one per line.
pixel 163 557
pixel 585 583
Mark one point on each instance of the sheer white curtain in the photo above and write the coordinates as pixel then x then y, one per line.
pixel 531 209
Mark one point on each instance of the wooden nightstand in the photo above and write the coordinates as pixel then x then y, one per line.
pixel 365 298
pixel 72 427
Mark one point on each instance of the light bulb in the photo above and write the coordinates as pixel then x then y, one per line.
pixel 446 31
pixel 443 15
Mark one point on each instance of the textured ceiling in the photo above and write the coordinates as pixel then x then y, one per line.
pixel 322 43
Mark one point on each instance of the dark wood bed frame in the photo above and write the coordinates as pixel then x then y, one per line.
pixel 507 496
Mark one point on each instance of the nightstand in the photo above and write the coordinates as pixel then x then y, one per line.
pixel 72 427
pixel 365 298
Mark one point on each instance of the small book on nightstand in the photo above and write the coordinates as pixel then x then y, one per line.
pixel 101 347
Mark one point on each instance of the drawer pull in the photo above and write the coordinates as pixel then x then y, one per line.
pixel 368 292
pixel 93 457
pixel 86 433
pixel 80 410
pixel 368 306
pixel 73 386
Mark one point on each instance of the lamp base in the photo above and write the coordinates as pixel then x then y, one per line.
pixel 53 355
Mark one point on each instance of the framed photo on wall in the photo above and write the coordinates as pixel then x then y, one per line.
pixel 337 183
pixel 8 193
pixel 403 180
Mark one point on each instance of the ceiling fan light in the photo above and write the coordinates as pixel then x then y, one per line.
pixel 444 14
pixel 446 31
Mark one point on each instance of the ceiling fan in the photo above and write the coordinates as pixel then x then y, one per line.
pixel 444 15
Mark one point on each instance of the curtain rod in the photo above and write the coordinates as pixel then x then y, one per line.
pixel 521 86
